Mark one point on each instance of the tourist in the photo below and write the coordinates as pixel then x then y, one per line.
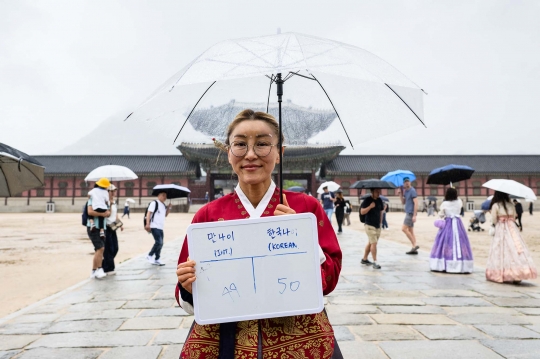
pixel 100 199
pixel 252 139
pixel 327 200
pixel 126 208
pixel 348 211
pixel 97 241
pixel 157 211
pixel 206 197
pixel 410 200
pixel 111 239
pixel 509 259
pixel 451 251
pixel 531 208
pixel 372 208
pixel 385 210
pixel 430 209
pixel 519 213
pixel 339 204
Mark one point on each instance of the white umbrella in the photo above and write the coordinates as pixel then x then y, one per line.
pixel 130 200
pixel 511 187
pixel 332 186
pixel 112 173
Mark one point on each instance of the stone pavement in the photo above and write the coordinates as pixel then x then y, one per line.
pixel 401 311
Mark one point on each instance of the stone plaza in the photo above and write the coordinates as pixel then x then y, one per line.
pixel 401 311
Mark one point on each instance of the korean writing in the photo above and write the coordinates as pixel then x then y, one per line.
pixel 281 232
pixel 220 236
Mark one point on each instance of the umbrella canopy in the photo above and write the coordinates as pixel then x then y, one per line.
pixel 326 75
pixel 299 189
pixel 511 187
pixel 372 183
pixel 130 200
pixel 431 198
pixel 172 190
pixel 396 177
pixel 111 172
pixel 485 205
pixel 332 186
pixel 449 174
pixel 18 172
pixel 518 198
pixel 383 198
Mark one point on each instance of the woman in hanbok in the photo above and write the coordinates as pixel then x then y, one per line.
pixel 451 251
pixel 509 259
pixel 252 151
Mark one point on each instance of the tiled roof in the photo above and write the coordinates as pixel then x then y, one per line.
pixel 82 165
pixel 493 164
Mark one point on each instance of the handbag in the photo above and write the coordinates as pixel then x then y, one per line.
pixel 115 225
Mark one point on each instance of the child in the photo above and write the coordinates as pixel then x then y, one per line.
pixel 100 200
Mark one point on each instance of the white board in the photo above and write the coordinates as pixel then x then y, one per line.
pixel 256 268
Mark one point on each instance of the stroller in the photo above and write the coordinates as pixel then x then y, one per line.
pixel 478 218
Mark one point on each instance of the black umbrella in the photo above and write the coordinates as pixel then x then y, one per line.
pixel 172 190
pixel 372 183
pixel 449 174
pixel 18 172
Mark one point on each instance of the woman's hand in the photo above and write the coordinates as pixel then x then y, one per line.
pixel 284 208
pixel 186 274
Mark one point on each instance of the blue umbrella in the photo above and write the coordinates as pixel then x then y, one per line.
pixel 299 189
pixel 448 174
pixel 485 205
pixel 396 177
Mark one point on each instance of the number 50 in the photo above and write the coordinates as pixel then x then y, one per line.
pixel 293 286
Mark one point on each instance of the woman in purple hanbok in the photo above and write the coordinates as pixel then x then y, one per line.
pixel 451 251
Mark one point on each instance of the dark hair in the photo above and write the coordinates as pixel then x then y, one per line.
pixel 500 197
pixel 451 194
pixel 247 115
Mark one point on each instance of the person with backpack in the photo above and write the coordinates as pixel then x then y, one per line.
pixel 371 214
pixel 154 221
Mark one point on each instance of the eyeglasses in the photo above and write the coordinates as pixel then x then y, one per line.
pixel 241 148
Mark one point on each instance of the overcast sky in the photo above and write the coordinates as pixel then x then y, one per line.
pixel 67 66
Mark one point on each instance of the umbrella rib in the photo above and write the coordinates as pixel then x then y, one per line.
pixel 42 183
pixel 344 129
pixel 7 184
pixel 269 89
pixel 193 109
pixel 406 104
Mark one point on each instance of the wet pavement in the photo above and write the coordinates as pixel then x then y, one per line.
pixel 400 311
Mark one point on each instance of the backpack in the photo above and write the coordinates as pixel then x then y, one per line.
pixel 85 214
pixel 153 213
pixel 362 216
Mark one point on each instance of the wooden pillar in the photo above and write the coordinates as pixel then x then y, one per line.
pixel 466 190
pixel 118 192
pixel 140 190
pixel 313 188
pixel 28 199
pixel 73 191
pixel 423 187
pixel 162 179
pixel 52 189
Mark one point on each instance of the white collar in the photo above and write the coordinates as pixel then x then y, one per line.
pixel 256 212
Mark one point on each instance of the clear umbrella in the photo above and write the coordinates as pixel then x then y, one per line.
pixel 339 86
pixel 332 186
pixel 511 187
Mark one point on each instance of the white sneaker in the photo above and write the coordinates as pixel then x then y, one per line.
pixel 150 259
pixel 157 262
pixel 100 273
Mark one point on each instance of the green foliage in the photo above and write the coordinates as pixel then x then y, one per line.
pixel 291 183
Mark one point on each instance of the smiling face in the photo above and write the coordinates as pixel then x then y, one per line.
pixel 259 138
